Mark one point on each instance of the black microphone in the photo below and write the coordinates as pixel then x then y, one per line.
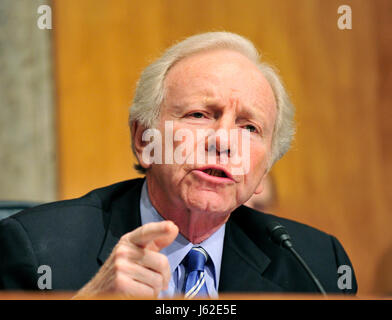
pixel 280 236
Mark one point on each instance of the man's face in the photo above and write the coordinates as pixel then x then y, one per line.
pixel 218 90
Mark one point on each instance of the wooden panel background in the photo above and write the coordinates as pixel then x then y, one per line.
pixel 337 177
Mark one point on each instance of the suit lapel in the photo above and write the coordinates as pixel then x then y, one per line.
pixel 124 213
pixel 244 265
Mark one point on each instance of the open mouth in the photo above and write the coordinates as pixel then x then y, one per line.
pixel 215 173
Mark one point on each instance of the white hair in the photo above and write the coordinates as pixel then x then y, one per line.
pixel 150 90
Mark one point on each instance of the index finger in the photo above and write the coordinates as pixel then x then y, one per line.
pixel 161 233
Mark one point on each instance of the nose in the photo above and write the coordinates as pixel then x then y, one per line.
pixel 218 143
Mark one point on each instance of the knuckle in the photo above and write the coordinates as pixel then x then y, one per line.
pixel 128 252
pixel 163 262
pixel 119 282
pixel 121 251
pixel 118 265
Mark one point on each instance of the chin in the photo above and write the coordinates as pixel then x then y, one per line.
pixel 209 206
pixel 198 198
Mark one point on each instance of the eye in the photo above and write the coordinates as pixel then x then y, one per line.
pixel 197 115
pixel 251 128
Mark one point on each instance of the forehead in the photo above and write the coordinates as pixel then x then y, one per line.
pixel 218 74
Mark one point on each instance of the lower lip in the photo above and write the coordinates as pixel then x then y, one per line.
pixel 206 176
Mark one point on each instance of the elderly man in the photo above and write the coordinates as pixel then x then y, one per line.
pixel 182 229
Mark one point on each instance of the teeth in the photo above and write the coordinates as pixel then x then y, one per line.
pixel 216 173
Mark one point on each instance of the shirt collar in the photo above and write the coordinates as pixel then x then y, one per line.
pixel 179 248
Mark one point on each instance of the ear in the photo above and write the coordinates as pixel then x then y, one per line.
pixel 137 131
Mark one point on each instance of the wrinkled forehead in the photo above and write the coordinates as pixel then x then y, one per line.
pixel 218 74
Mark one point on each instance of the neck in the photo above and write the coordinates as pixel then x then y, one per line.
pixel 194 225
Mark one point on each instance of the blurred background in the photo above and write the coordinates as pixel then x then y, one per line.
pixel 65 94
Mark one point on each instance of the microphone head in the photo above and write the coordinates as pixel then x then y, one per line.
pixel 278 233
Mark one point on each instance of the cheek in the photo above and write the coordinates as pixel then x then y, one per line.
pixel 185 145
pixel 258 158
pixel 258 165
pixel 258 152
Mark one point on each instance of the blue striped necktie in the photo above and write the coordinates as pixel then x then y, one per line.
pixel 195 284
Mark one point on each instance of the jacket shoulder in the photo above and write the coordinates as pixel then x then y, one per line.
pixel 65 235
pixel 96 201
pixel 323 252
pixel 258 221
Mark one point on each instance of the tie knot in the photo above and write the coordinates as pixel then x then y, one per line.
pixel 196 259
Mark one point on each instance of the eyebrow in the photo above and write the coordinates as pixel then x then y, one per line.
pixel 247 112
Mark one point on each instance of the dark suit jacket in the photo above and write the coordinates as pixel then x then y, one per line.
pixel 75 237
